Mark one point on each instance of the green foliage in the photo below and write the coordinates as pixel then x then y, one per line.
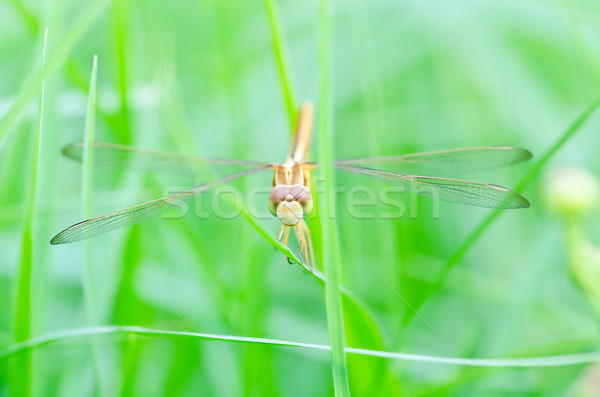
pixel 331 256
pixel 21 380
pixel 222 81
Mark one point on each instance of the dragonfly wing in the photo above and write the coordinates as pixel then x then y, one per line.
pixel 121 156
pixel 132 215
pixel 452 190
pixel 445 162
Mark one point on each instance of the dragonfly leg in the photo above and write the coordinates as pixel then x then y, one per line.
pixel 308 237
pixel 284 236
pixel 280 234
pixel 300 236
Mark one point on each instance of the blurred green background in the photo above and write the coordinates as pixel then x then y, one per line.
pixel 202 78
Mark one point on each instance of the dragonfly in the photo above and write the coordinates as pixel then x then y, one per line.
pixel 290 199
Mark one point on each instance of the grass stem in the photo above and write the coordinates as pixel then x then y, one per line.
pixel 330 242
pixel 87 186
pixel 283 64
pixel 22 366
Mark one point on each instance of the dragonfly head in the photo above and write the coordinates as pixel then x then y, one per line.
pixel 289 203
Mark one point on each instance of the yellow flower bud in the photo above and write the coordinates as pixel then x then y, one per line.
pixel 571 190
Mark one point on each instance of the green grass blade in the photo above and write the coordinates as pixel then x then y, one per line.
pixel 87 186
pixel 31 21
pixel 518 362
pixel 121 38
pixel 283 64
pixel 533 172
pixel 184 137
pixel 329 233
pixel 265 232
pixel 581 38
pixel 87 180
pixel 21 380
pixel 29 89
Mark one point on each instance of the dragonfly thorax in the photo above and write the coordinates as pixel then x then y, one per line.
pixel 289 203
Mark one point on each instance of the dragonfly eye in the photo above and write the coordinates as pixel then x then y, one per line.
pixel 300 192
pixel 272 208
pixel 307 205
pixel 289 203
pixel 302 195
pixel 278 194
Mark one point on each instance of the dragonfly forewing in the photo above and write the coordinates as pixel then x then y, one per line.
pixel 120 157
pixel 451 190
pixel 136 214
pixel 444 163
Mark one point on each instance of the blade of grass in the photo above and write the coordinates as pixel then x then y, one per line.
pixel 267 235
pixel 87 186
pixel 522 362
pixel 330 243
pixel 283 64
pixel 255 309
pixel 121 36
pixel 21 375
pixel 87 175
pixel 183 134
pixel 534 171
pixel 281 53
pixel 27 92
pixel 185 141
pixel 31 21
pixel 372 104
pixel 186 358
pixel 581 37
pixel 265 232
pixel 251 321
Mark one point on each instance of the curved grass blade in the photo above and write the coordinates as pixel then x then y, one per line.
pixel 445 162
pixel 20 382
pixel 451 190
pixel 132 215
pixel 519 362
pixel 28 90
pixel 283 64
pixel 29 18
pixel 534 171
pixel 472 238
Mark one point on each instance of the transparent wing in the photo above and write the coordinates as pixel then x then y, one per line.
pixel 446 162
pixel 132 215
pixel 121 156
pixel 452 190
